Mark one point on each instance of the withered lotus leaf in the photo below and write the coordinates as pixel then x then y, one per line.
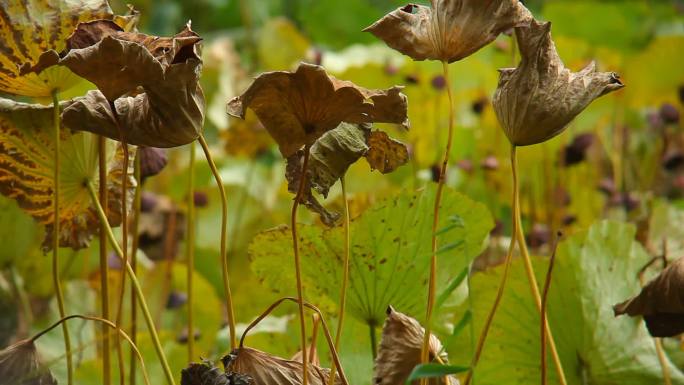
pixel 267 369
pixel 20 365
pixel 660 302
pixel 332 154
pixel 537 100
pixel 205 373
pixel 313 358
pixel 298 107
pixel 399 351
pixel 27 161
pixel 449 30
pixel 30 27
pixel 153 82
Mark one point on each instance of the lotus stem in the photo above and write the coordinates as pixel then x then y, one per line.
pixel 545 294
pixel 104 266
pixel 345 275
pixel 326 331
pixel 190 253
pixel 137 198
pixel 502 283
pixel 55 238
pixel 315 320
pixel 106 323
pixel 124 242
pixel 534 287
pixel 224 255
pixel 435 222
pixel 136 286
pixel 295 247
pixel 373 340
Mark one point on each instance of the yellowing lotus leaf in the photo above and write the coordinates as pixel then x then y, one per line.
pixel 29 28
pixel 26 171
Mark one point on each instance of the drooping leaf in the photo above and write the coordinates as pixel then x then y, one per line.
pixel 660 302
pixel 170 110
pixel 537 100
pixel 390 253
pixel 332 154
pixel 268 369
pixel 26 172
pixel 28 28
pixel 205 373
pixel 298 107
pixel 450 30
pixel 400 349
pixel 594 269
pixel 19 364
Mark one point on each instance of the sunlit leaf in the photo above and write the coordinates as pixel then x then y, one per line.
pixel 390 253
pixel 28 28
pixel 594 270
pixel 26 172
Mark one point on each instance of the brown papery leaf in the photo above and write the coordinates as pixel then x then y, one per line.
pixel 298 107
pixel 399 351
pixel 26 172
pixel 384 153
pixel 20 365
pixel 153 81
pixel 661 302
pixel 537 100
pixel 267 369
pixel 450 30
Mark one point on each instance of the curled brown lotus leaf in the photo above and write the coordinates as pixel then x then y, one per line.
pixel 449 30
pixel 206 373
pixel 400 348
pixel 152 81
pixel 267 369
pixel 332 154
pixel 537 100
pixel 298 107
pixel 20 365
pixel 27 161
pixel 29 28
pixel 312 355
pixel 661 302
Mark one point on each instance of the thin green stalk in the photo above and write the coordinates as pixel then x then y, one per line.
pixel 190 253
pixel 435 222
pixel 545 295
pixel 345 275
pixel 134 262
pixel 104 266
pixel 295 246
pixel 499 294
pixel 373 340
pixel 224 254
pixel 136 285
pixel 529 270
pixel 55 238
pixel 107 323
pixel 124 242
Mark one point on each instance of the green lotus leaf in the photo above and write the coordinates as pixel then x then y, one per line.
pixel 594 270
pixel 390 253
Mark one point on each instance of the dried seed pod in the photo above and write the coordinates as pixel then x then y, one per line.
pixel 400 348
pixel 20 365
pixel 449 30
pixel 267 369
pixel 537 100
pixel 661 302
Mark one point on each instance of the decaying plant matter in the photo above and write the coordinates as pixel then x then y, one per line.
pixel 400 351
pixel 153 83
pixel 660 302
pixel 535 101
pixel 449 30
pixel 20 364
